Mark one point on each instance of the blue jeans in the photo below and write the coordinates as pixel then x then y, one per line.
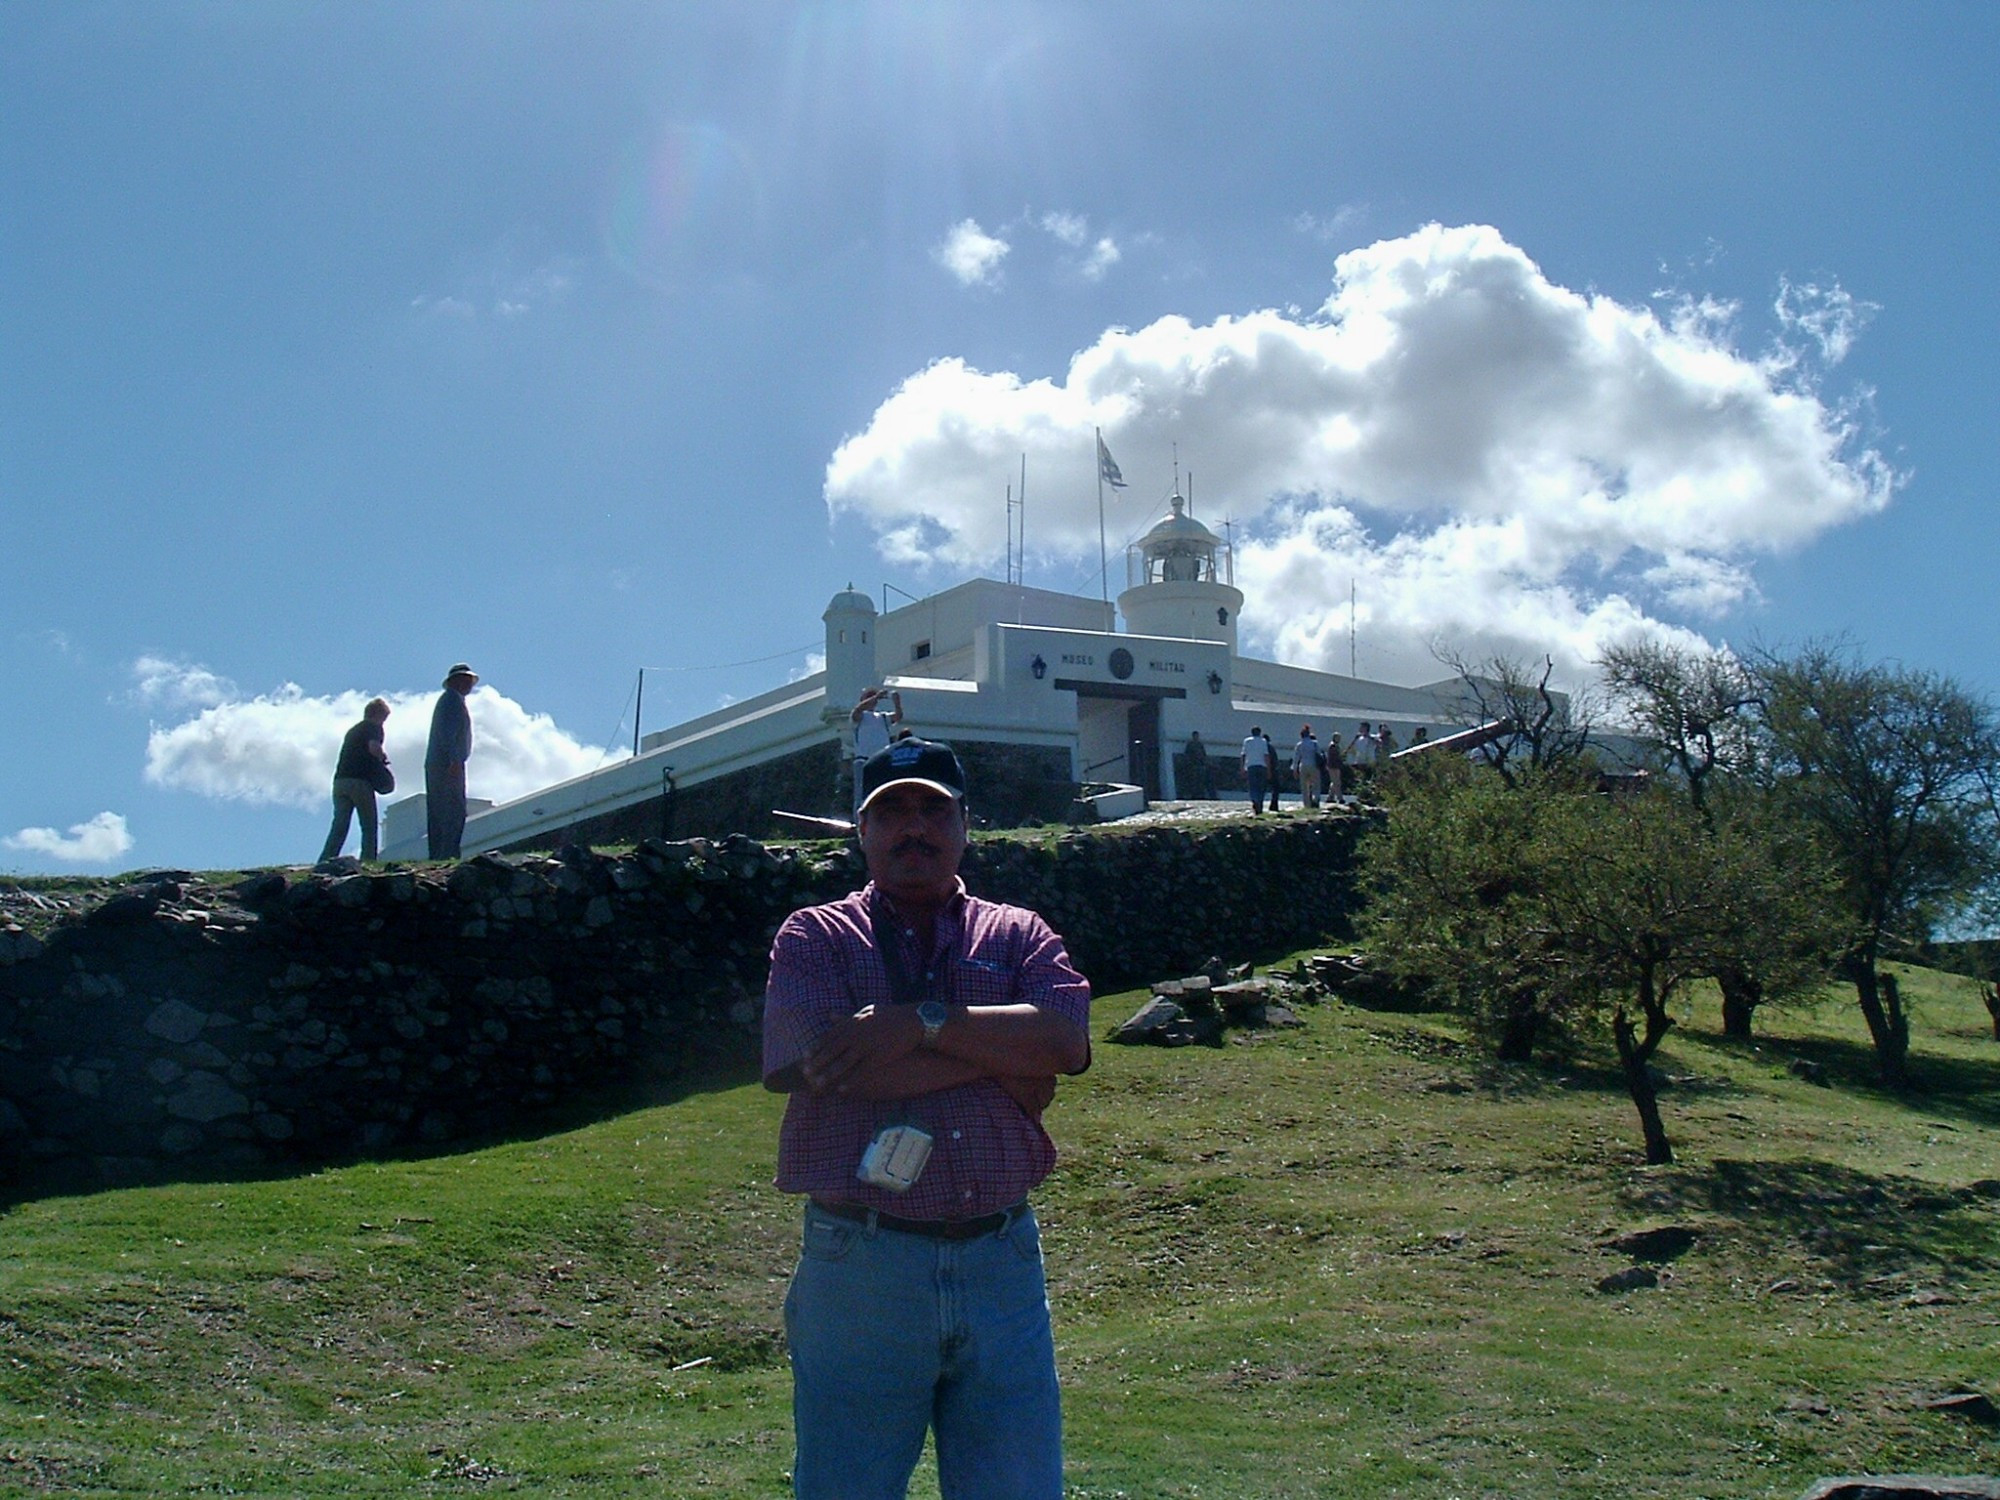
pixel 893 1334
pixel 351 795
pixel 1258 777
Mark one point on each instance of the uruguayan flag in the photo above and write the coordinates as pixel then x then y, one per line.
pixel 1107 467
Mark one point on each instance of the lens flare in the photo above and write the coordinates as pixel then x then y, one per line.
pixel 688 208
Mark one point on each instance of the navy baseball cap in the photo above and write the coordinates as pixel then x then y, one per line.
pixel 925 762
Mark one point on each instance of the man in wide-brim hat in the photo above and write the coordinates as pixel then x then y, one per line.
pixel 444 762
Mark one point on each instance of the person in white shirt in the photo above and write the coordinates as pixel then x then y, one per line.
pixel 1305 766
pixel 872 729
pixel 1362 753
pixel 1256 765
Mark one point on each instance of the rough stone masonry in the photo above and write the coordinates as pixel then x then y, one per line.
pixel 168 1027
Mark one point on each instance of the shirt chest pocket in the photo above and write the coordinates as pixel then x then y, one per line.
pixel 979 981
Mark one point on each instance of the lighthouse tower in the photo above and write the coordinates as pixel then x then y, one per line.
pixel 1180 590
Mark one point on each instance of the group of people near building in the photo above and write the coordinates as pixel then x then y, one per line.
pixel 1323 772
pixel 362 773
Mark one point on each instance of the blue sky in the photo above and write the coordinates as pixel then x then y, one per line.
pixel 341 342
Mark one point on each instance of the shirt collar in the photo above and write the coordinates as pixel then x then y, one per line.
pixel 951 910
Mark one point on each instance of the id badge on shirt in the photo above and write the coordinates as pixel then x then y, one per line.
pixel 895 1158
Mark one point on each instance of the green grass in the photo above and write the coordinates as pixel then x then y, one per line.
pixel 1352 1259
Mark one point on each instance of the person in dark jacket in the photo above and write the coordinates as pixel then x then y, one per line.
pixel 444 762
pixel 356 776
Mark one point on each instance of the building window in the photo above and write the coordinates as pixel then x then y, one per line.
pixel 919 651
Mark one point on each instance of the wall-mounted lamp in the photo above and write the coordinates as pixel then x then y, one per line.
pixel 1039 667
pixel 1215 682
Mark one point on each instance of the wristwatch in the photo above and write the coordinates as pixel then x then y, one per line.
pixel 933 1014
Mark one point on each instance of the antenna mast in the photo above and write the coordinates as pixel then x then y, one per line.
pixel 1010 533
pixel 1352 670
pixel 1021 553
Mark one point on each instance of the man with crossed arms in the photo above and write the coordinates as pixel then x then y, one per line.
pixel 912 1004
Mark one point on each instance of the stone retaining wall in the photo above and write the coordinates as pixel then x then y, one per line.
pixel 182 1029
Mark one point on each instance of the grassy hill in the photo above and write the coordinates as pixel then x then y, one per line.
pixel 1352 1259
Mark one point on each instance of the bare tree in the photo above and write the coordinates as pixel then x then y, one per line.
pixel 1550 728
pixel 1697 710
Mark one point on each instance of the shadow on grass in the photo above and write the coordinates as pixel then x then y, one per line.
pixel 1868 1232
pixel 1564 1065
pixel 714 1073
pixel 1964 1089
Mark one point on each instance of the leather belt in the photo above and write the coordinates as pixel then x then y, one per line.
pixel 930 1229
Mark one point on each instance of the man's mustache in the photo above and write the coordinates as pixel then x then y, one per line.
pixel 915 843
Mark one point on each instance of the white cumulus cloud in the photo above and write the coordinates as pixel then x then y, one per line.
pixel 279 748
pixel 1103 256
pixel 971 254
pixel 1071 229
pixel 1831 316
pixel 173 684
pixel 1483 456
pixel 97 841
pixel 507 279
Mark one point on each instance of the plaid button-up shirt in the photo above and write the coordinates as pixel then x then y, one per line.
pixel 987 1151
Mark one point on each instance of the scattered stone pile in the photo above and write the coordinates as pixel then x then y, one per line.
pixel 1203 1007
pixel 1352 977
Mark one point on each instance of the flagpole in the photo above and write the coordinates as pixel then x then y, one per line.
pixel 1103 557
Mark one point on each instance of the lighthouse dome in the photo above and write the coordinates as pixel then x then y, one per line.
pixel 1179 549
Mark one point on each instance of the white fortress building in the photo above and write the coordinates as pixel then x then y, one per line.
pixel 1039 692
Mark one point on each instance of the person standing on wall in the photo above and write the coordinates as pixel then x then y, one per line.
pixel 1255 763
pixel 360 773
pixel 444 762
pixel 872 729
pixel 918 1033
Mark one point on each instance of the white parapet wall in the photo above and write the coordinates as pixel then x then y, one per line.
pixel 716 745
pixel 406 825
